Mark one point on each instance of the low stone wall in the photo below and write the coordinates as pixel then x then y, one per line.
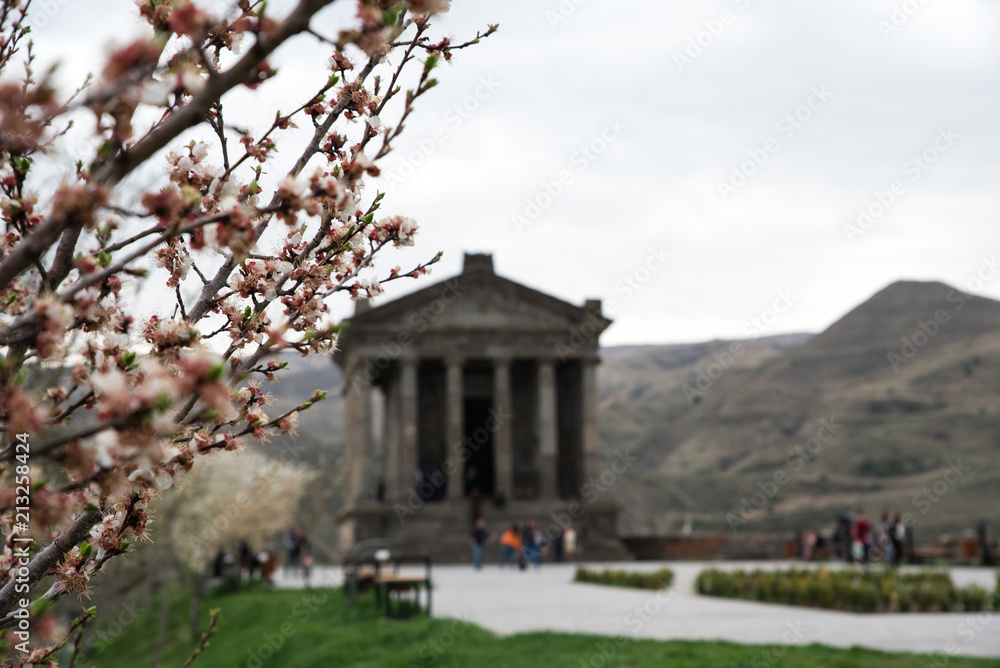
pixel 676 548
pixel 701 546
pixel 742 546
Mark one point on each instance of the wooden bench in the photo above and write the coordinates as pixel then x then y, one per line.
pixel 363 577
pixel 362 574
pixel 395 582
pixel 360 568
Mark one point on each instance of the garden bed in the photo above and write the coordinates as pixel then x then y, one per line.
pixel 660 579
pixel 852 590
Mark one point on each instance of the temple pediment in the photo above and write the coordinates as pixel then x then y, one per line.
pixel 478 301
pixel 470 301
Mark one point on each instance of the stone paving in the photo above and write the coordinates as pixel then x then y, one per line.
pixel 511 601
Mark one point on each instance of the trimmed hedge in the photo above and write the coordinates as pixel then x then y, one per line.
pixel 660 579
pixel 849 589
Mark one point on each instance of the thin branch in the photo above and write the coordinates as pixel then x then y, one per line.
pixel 204 638
pixel 191 114
pixel 180 300
pixel 221 277
pixel 25 326
pixel 45 560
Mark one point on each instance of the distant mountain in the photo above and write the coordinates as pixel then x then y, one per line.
pixel 909 381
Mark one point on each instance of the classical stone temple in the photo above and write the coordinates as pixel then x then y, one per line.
pixel 476 396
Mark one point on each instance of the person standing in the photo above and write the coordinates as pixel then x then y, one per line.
pixel 896 535
pixel 293 550
pixel 842 539
pixel 528 543
pixel 478 539
pixel 885 538
pixel 248 560
pixel 861 537
pixel 541 543
pixel 809 545
pixel 268 560
pixel 569 543
pixel 510 546
pixel 307 558
pixel 557 545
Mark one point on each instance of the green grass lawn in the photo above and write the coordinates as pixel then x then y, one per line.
pixel 293 629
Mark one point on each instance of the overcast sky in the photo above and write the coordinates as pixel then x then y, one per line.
pixel 588 139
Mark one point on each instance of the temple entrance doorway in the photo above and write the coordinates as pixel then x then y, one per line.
pixel 478 438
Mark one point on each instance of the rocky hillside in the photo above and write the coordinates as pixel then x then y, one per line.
pixel 894 406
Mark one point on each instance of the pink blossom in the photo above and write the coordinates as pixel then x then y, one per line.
pixel 290 424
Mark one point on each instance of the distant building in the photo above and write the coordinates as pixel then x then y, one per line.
pixel 473 396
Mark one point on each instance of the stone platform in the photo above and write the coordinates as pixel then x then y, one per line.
pixel 441 529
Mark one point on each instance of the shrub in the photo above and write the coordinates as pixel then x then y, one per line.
pixel 848 589
pixel 660 579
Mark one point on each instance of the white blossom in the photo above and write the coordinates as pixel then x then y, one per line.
pixel 407 228
pixel 155 93
pixel 192 81
pixel 59 313
pixel 116 340
pixel 163 480
pixel 297 186
pixel 102 446
pixel 199 151
pixel 110 382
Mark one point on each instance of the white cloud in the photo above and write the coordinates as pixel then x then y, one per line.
pixel 657 183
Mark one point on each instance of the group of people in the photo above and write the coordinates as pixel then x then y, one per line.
pixel 298 553
pixel 525 545
pixel 250 561
pixel 247 562
pixel 859 540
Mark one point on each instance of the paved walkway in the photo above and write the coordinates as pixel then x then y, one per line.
pixel 507 602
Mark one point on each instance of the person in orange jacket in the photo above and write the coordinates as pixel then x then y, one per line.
pixel 510 546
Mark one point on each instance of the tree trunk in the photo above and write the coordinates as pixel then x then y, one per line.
pixel 161 628
pixel 199 591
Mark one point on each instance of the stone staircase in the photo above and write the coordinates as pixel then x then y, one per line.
pixel 441 530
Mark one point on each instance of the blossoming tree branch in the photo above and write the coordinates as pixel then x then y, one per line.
pixel 112 404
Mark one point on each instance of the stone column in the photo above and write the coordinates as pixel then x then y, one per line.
pixel 393 449
pixel 454 418
pixel 548 430
pixel 502 446
pixel 590 425
pixel 409 452
pixel 358 435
